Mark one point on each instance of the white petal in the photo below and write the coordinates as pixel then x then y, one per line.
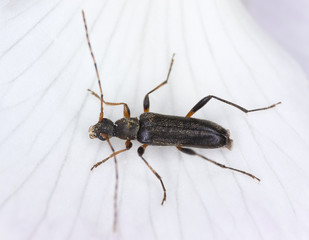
pixel 47 188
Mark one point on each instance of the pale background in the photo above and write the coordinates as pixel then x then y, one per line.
pixel 46 188
pixel 287 22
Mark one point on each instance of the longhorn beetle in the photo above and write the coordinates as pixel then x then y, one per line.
pixel 161 130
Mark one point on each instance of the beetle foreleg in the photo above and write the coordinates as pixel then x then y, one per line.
pixel 192 152
pixel 126 109
pixel 128 146
pixel 140 152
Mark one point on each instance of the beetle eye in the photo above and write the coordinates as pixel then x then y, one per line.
pixel 101 137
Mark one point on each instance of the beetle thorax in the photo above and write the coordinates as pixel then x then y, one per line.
pixel 126 128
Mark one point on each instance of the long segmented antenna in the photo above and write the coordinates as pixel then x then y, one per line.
pixel 116 186
pixel 104 135
pixel 95 65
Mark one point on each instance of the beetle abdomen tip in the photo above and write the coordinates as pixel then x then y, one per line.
pixel 229 145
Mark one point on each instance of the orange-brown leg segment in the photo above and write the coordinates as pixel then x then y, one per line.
pixel 141 151
pixel 192 152
pixel 205 100
pixel 146 98
pixel 128 146
pixel 126 109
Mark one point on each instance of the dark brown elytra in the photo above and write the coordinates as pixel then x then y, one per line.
pixel 161 130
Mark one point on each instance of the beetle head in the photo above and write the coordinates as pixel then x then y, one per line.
pixel 106 127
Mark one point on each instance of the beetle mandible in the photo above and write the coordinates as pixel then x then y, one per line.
pixel 161 130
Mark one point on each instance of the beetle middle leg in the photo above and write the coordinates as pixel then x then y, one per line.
pixel 126 109
pixel 205 100
pixel 192 152
pixel 146 102
pixel 141 151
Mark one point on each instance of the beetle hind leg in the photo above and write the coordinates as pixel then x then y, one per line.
pixel 205 100
pixel 192 152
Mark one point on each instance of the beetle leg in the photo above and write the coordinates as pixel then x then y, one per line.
pixel 94 94
pixel 192 152
pixel 146 102
pixel 205 100
pixel 126 109
pixel 128 146
pixel 141 151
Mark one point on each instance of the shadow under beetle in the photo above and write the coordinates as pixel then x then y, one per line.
pixel 161 130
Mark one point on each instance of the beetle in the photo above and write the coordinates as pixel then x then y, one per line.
pixel 153 129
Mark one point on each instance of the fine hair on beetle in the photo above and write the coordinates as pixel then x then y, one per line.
pixel 156 129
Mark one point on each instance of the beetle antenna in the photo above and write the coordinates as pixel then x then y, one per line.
pixel 95 65
pixel 116 185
